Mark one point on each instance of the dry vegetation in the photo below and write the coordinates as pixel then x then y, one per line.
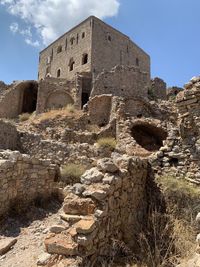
pixel 107 142
pixel 71 173
pixel 171 237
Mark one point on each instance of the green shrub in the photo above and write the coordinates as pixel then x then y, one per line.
pixel 71 173
pixel 107 142
pixel 24 116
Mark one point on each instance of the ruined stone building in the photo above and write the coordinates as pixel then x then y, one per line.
pixel 91 59
pixel 90 47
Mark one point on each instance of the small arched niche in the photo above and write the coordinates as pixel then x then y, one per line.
pixel 148 136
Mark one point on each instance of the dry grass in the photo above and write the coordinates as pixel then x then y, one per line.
pixel 170 237
pixel 71 173
pixel 68 111
pixel 24 116
pixel 107 142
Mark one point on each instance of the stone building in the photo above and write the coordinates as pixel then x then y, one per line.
pixel 91 46
pixel 91 59
pixel 86 51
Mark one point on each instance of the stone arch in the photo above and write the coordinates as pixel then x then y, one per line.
pixel 148 136
pixel 28 92
pixel 58 99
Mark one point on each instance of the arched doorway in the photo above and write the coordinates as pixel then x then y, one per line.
pixel 29 97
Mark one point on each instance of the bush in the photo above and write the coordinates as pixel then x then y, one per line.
pixel 71 173
pixel 24 117
pixel 107 142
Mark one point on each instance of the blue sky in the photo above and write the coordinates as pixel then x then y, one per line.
pixel 168 30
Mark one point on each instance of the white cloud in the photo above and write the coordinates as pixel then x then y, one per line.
pixel 32 43
pixel 14 27
pixel 52 18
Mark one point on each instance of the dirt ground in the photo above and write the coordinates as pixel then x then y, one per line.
pixel 30 230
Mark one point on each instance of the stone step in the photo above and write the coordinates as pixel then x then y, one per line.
pixel 61 244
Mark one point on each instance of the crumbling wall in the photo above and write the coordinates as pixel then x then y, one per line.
pixel 180 154
pixel 121 81
pixel 108 205
pixel 99 109
pixel 12 100
pixel 8 135
pixel 55 93
pixel 172 92
pixel 158 89
pixel 22 179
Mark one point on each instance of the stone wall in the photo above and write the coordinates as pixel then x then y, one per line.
pixel 55 93
pixel 51 60
pixel 180 154
pixel 18 98
pixel 104 46
pixel 172 92
pixel 121 81
pixel 22 179
pixel 158 89
pixel 8 136
pixel 111 48
pixel 109 205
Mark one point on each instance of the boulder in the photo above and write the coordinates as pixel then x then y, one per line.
pixel 107 165
pixel 92 176
pixel 61 244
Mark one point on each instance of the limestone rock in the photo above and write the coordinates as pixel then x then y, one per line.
pixel 61 244
pixel 79 206
pixel 78 189
pixel 6 244
pixel 57 228
pixel 107 165
pixel 85 226
pixel 92 176
pixel 43 259
pixel 70 218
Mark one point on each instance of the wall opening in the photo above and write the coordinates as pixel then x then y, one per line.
pixel 59 49
pixel 86 89
pixel 83 35
pixel 84 59
pixel 29 98
pixel 58 73
pixel 148 136
pixel 85 98
pixel 137 62
pixel 71 64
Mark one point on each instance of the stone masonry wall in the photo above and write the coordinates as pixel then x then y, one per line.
pixel 121 81
pixel 180 154
pixel 8 136
pixel 158 89
pixel 55 93
pixel 109 204
pixel 104 46
pixel 51 61
pixel 22 179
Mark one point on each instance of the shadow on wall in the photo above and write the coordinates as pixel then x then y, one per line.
pixel 148 136
pixel 58 99
pixel 28 97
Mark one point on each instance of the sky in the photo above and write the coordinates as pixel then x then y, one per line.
pixel 168 30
